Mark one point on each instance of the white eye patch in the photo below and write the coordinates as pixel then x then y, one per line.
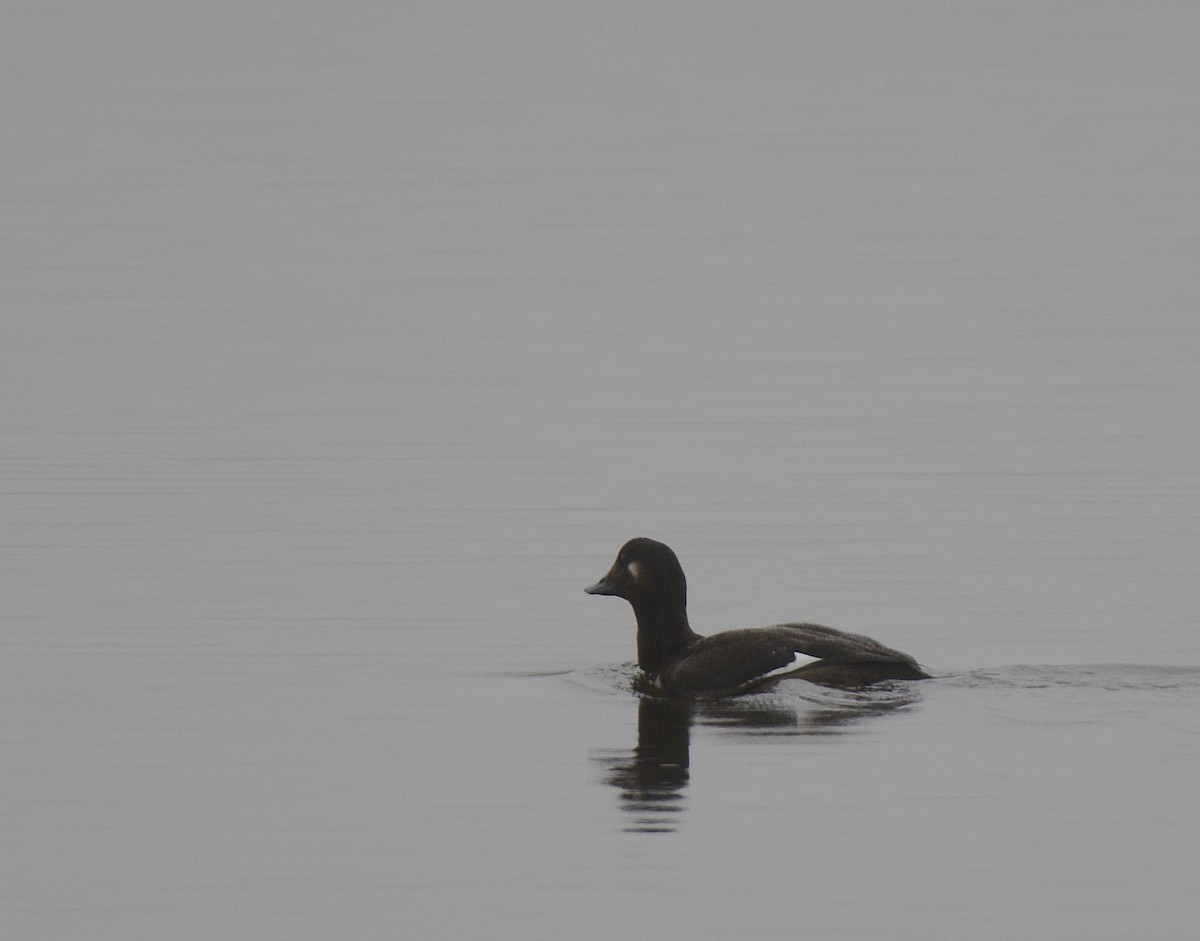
pixel 635 570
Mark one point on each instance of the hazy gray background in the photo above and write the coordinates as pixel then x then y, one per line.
pixel 344 343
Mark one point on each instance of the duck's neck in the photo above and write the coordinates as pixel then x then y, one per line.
pixel 663 632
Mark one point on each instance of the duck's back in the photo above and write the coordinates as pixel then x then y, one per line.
pixel 827 643
pixel 744 660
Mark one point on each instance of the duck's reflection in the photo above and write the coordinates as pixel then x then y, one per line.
pixel 653 776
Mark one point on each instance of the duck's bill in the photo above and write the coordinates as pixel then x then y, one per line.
pixel 602 587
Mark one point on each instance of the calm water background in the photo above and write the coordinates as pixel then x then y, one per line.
pixel 344 343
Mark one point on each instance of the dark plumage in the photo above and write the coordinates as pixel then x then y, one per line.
pixel 648 575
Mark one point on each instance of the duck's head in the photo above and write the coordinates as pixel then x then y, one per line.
pixel 645 571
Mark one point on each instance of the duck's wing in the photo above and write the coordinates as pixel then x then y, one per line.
pixel 735 661
pixel 741 661
pixel 834 646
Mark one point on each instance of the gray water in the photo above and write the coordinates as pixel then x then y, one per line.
pixel 343 344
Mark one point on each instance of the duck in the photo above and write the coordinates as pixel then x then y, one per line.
pixel 683 664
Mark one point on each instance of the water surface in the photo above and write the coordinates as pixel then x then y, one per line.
pixel 343 345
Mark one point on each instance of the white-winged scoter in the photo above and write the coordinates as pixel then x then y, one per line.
pixel 648 575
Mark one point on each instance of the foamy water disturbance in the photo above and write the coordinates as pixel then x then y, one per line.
pixel 653 775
